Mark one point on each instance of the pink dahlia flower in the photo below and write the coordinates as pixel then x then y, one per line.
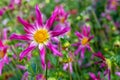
pixel 3 56
pixel 104 63
pixel 40 35
pixel 62 18
pixel 94 77
pixel 112 4
pixel 84 39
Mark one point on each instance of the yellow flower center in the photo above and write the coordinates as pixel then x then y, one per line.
pixel 62 19
pixel 84 41
pixel 1 54
pixel 114 3
pixel 41 36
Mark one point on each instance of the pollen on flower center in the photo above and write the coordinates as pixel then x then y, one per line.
pixel 41 36
pixel 62 19
pixel 84 41
pixel 114 3
pixel 1 54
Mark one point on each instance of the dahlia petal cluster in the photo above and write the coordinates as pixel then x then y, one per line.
pixel 104 63
pixel 84 39
pixel 3 56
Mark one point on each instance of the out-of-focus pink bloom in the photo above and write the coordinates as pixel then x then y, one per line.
pixel 112 4
pixel 25 76
pixel 117 73
pixel 40 35
pixel 40 77
pixel 23 46
pixel 62 18
pixel 104 63
pixel 3 56
pixel 94 77
pixel 2 11
pixel 117 24
pixel 68 65
pixel 107 16
pixel 11 6
pixel 21 67
pixel 84 38
pixel 18 2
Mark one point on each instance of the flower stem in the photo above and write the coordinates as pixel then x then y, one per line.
pixel 46 68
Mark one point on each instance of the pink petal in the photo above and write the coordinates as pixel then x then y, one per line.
pixel 86 30
pixel 99 55
pixel 76 44
pixel 78 50
pixel 40 77
pixel 25 76
pixel 26 51
pixel 42 56
pixel 54 50
pixel 70 66
pixel 1 44
pixel 2 12
pixel 38 15
pixel 82 53
pixel 90 38
pixel 92 75
pixel 28 27
pixel 19 37
pixel 6 59
pixel 5 31
pixel 65 66
pixel 57 33
pixel 51 20
pixel 78 34
pixel 117 73
pixel 21 67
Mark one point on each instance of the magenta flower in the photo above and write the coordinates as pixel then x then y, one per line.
pixel 112 4
pixel 40 35
pixel 2 11
pixel 11 6
pixel 84 38
pixel 3 56
pixel 61 18
pixel 40 77
pixel 117 73
pixel 104 63
pixel 21 67
pixel 25 76
pixel 94 77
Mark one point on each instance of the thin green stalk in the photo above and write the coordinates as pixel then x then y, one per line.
pixel 46 73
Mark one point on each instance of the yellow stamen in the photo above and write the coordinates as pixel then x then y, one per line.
pixel 114 3
pixel 41 36
pixel 2 54
pixel 84 41
pixel 62 20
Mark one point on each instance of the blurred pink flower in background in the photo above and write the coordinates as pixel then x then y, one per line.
pixel 3 56
pixel 112 4
pixel 84 39
pixel 94 77
pixel 104 63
